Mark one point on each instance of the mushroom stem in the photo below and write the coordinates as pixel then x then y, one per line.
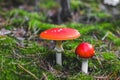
pixel 84 66
pixel 59 50
pixel 59 58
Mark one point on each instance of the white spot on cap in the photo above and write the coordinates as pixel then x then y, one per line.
pixel 54 30
pixel 60 29
pixel 45 32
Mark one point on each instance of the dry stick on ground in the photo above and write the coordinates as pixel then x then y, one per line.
pixel 33 75
pixel 46 66
pixel 101 77
pixel 112 74
pixel 99 61
pixel 118 78
pixel 44 77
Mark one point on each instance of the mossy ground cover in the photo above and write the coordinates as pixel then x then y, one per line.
pixel 25 56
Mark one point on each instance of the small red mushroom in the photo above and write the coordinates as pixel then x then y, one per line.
pixel 85 51
pixel 58 34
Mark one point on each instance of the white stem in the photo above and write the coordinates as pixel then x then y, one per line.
pixel 59 50
pixel 85 66
pixel 59 58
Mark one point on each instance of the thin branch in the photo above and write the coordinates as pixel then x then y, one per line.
pixel 33 75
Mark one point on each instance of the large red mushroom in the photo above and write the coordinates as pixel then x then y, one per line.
pixel 85 51
pixel 59 34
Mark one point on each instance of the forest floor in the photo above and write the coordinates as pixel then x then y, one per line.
pixel 25 56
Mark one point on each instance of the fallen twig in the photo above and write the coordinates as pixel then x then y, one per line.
pixel 118 78
pixel 101 77
pixel 50 69
pixel 105 35
pixel 44 77
pixel 28 71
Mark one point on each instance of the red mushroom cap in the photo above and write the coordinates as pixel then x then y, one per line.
pixel 85 50
pixel 60 34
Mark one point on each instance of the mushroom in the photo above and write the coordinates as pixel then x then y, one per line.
pixel 59 34
pixel 85 51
